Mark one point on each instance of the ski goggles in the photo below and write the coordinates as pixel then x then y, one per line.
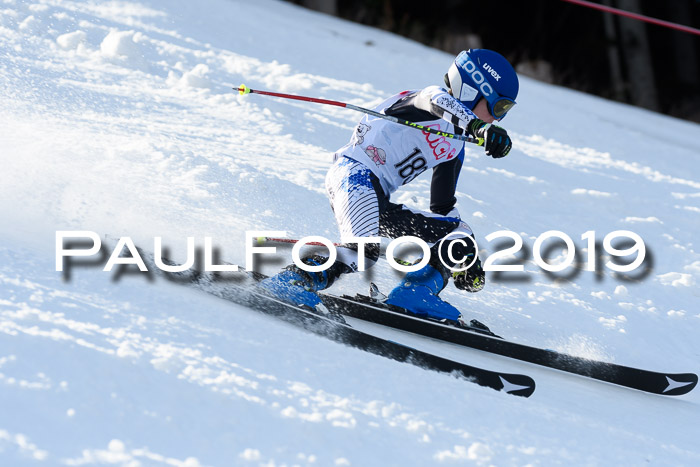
pixel 499 105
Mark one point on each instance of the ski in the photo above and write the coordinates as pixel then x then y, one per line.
pixel 241 292
pixel 361 307
pixel 239 288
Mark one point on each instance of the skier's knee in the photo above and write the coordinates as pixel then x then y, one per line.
pixel 454 256
pixel 471 280
pixel 455 252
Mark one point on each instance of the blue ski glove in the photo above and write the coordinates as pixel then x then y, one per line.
pixel 494 138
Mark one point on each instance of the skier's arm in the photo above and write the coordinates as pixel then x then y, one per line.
pixel 440 103
pixel 424 106
pixel 432 103
pixel 444 185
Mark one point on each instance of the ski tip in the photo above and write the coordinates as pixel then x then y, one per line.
pixel 243 89
pixel 679 384
pixel 517 385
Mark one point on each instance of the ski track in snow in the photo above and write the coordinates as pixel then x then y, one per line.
pixel 119 117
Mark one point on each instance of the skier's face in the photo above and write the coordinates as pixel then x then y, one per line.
pixel 481 110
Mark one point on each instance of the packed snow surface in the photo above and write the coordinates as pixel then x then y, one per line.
pixel 119 118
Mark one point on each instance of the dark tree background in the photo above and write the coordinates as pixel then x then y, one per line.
pixel 618 58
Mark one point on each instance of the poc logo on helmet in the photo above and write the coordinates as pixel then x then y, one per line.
pixel 479 78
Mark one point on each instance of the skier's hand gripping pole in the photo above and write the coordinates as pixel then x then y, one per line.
pixel 243 89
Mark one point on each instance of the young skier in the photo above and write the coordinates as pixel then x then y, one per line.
pixel 382 155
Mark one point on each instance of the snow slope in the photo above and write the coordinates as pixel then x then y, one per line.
pixel 119 118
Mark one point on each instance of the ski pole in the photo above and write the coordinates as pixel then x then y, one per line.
pixel 243 89
pixel 261 240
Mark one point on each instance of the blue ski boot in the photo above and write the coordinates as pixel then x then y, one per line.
pixel 293 287
pixel 418 294
pixel 298 287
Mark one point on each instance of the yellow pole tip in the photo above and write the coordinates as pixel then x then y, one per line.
pixel 243 89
